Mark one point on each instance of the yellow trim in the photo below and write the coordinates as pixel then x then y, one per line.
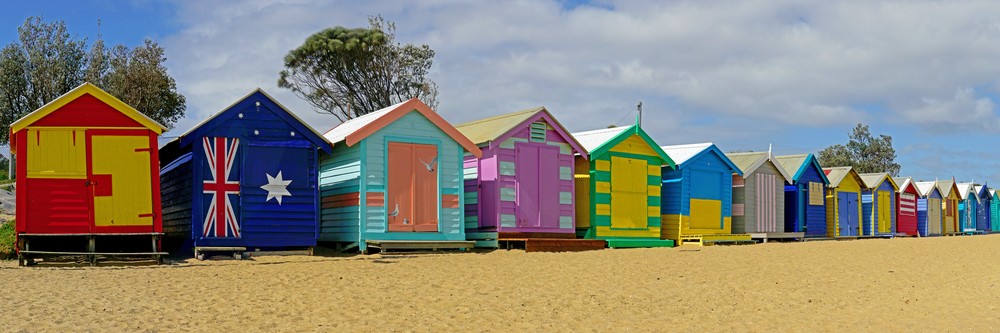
pixel 602 209
pixel 653 191
pixel 77 92
pixel 605 231
pixel 602 187
pixel 602 165
pixel 653 211
pixel 654 170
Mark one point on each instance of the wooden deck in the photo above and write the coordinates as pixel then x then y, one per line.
pixel 710 239
pixel 620 243
pixel 765 236
pixel 386 246
pixel 553 244
pixel 26 255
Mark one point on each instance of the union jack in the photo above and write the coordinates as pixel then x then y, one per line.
pixel 221 218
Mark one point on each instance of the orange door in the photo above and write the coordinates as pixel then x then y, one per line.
pixel 412 190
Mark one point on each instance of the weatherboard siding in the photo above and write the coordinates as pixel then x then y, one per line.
pixel 748 196
pixel 339 178
pixel 815 219
pixel 706 177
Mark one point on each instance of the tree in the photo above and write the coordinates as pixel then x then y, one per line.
pixel 353 72
pixel 46 62
pixel 863 152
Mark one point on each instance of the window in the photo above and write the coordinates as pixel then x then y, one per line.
pixel 815 194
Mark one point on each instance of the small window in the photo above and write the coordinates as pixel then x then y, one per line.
pixel 538 129
pixel 815 194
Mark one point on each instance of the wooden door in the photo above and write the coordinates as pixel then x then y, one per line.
pixel 884 212
pixel 120 181
pixel 537 177
pixel 766 204
pixel 933 216
pixel 848 213
pixel 412 189
pixel 628 193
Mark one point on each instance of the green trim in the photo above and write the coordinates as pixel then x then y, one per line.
pixel 363 187
pixel 634 129
pixel 638 242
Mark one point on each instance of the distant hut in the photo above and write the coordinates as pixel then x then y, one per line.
pixel 983 216
pixel 994 211
pixel 843 202
pixel 394 179
pixel 950 224
pixel 878 204
pixel 906 206
pixel 618 187
pixel 697 195
pixel 759 193
pixel 929 207
pixel 967 206
pixel 522 188
pixel 805 197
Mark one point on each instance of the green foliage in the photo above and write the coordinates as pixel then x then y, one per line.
pixel 352 72
pixel 7 238
pixel 46 62
pixel 863 152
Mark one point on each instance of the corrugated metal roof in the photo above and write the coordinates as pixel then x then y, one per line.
pixel 965 188
pixel 903 182
pixel 747 161
pixel 946 187
pixel 339 133
pixel 489 129
pixel 925 188
pixel 791 163
pixel 873 180
pixel 836 174
pixel 682 153
pixel 593 139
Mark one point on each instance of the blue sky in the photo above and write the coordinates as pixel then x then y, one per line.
pixel 743 74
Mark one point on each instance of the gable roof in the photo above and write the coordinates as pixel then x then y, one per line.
pixel 85 89
pixel 499 128
pixel 965 188
pixel 837 175
pixel 874 180
pixel 749 162
pixel 946 187
pixel 982 190
pixel 355 130
pixel 682 154
pixel 798 164
pixel 598 142
pixel 256 95
pixel 925 188
pixel 993 192
pixel 905 182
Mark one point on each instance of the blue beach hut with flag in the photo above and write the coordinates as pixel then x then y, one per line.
pixel 244 179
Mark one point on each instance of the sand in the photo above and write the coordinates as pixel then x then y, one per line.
pixel 928 284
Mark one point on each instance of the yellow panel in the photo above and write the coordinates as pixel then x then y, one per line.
pixel 628 196
pixel 884 212
pixel 604 231
pixel 849 184
pixel 57 153
pixel 602 165
pixel 653 191
pixel 131 190
pixel 602 209
pixel 653 211
pixel 582 183
pixel 654 170
pixel 634 145
pixel 602 187
pixel 705 214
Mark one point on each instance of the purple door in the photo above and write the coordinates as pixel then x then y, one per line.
pixel 537 172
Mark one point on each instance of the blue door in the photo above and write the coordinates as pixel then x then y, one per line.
pixel 848 209
pixel 792 221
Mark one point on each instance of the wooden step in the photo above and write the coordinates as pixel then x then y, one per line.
pixel 547 235
pixel 554 244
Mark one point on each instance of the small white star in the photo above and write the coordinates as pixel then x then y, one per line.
pixel 256 132
pixel 241 115
pixel 276 187
pixel 293 133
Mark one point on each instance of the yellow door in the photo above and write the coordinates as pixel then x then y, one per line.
pixel 884 212
pixel 122 161
pixel 628 193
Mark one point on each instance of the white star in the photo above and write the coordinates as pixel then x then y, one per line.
pixel 276 187
pixel 241 115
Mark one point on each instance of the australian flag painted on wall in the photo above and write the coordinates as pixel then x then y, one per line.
pixel 221 187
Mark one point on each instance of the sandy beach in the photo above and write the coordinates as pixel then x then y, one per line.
pixel 928 284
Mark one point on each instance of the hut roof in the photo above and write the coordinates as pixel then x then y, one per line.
pixel 684 153
pixel 946 186
pixel 964 189
pixel 601 140
pixel 355 130
pixel 905 182
pixel 85 89
pixel 925 188
pixel 496 128
pixel 751 161
pixel 873 180
pixel 796 165
pixel 837 175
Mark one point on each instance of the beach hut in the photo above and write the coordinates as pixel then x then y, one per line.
pixel 843 202
pixel 697 195
pixel 951 222
pixel 967 205
pixel 878 204
pixel 906 206
pixel 394 180
pixel 805 197
pixel 618 187
pixel 522 188
pixel 929 209
pixel 759 194
pixel 983 216
pixel 994 211
pixel 87 177
pixel 243 179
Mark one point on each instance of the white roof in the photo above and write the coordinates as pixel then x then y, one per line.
pixel 590 140
pixel 925 188
pixel 339 133
pixel 964 189
pixel 682 153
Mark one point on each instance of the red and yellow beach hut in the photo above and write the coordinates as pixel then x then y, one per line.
pixel 87 168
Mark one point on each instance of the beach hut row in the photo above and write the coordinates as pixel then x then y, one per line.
pixel 255 177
